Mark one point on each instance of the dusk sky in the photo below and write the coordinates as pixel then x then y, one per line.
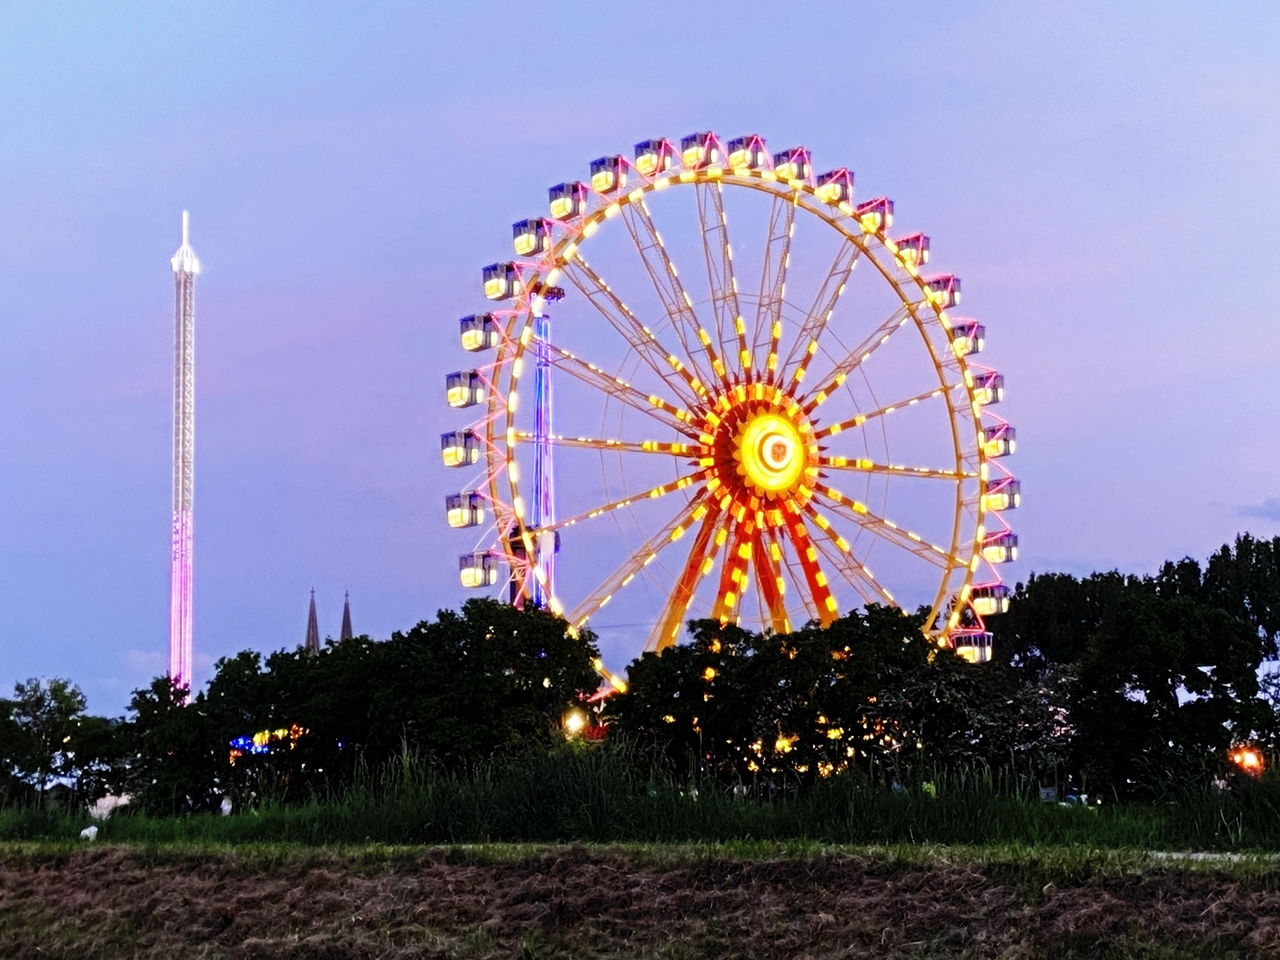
pixel 1102 176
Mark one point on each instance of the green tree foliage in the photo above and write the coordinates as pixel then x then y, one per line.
pixel 1165 687
pixel 867 693
pixel 1159 675
pixel 46 738
pixel 492 680
pixel 1242 580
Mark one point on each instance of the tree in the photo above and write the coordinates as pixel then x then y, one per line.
pixel 868 693
pixel 1165 687
pixel 172 756
pixel 44 721
pixel 492 680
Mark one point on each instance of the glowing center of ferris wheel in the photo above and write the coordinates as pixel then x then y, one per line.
pixel 771 452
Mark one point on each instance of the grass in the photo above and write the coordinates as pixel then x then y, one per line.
pixel 606 797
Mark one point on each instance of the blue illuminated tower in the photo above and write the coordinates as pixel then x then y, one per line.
pixel 544 509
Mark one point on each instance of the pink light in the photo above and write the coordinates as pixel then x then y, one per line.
pixel 180 601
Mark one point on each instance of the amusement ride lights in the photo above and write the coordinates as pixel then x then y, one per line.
pixel 750 419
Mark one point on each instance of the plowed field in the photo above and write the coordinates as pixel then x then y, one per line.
pixel 639 902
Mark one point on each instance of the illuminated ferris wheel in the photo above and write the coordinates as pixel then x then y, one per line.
pixel 747 420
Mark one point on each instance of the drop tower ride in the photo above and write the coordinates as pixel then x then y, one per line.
pixel 185 267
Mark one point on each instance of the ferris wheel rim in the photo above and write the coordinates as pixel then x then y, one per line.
pixel 556 260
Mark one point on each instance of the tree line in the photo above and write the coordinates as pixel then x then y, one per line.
pixel 1133 687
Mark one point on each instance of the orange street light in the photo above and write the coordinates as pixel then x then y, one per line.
pixel 1248 760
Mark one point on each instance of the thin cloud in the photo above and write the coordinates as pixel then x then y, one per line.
pixel 1269 509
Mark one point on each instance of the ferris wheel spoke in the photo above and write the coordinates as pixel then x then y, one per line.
pixel 652 494
pixel 815 579
pixel 824 305
pixel 884 411
pixel 733 577
pixel 893 469
pixel 686 450
pixel 860 355
pixel 773 275
pixel 648 404
pixel 885 529
pixel 683 383
pixel 675 301
pixel 720 277
pixel 666 535
pixel 791 565
pixel 770 583
pixel 856 573
pixel 711 536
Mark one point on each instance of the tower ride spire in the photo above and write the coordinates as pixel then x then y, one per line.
pixel 185 267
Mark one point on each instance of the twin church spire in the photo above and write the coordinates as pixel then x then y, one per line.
pixel 312 644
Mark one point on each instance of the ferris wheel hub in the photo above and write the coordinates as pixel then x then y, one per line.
pixel 771 452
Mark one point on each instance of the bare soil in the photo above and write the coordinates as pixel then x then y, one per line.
pixel 613 903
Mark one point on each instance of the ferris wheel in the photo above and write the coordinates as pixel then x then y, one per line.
pixel 746 421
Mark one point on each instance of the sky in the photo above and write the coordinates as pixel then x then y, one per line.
pixel 1101 175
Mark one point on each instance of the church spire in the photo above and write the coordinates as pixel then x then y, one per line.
pixel 313 628
pixel 346 617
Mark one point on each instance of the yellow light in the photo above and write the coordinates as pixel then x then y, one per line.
pixel 496 288
pixel 709 673
pixel 607 180
pixel 526 244
pixel 575 721
pixel 562 207
pixel 771 452
pixel 646 163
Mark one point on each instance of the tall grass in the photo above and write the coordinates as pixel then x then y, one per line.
pixel 610 794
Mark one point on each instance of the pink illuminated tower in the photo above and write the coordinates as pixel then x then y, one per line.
pixel 185 268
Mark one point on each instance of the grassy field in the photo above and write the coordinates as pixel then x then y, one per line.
pixel 732 900
pixel 591 855
pixel 607 797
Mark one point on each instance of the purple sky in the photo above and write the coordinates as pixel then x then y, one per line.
pixel 1102 176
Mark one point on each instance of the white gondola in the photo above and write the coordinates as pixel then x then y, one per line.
pixel 478 570
pixel 875 215
pixel 464 509
pixel 700 150
pixel 999 440
pixel 654 157
pixel 988 388
pixel 1000 548
pixel 460 448
pixel 748 151
pixel 914 248
pixel 1004 495
pixel 501 281
pixel 567 200
pixel 967 337
pixel 989 599
pixel 608 174
pixel 944 291
pixel 531 237
pixel 464 388
pixel 974 647
pixel 835 186
pixel 479 332
pixel 792 164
